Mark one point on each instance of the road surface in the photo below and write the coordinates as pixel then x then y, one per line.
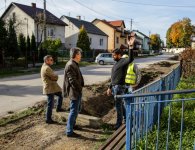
pixel 23 91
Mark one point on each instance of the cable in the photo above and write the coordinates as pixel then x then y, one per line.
pixel 154 5
pixel 92 9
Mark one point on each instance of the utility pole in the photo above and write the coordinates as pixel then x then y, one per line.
pixel 44 21
pixel 131 24
pixel 5 5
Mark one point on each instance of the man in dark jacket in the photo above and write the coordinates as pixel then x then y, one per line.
pixel 73 84
pixel 117 85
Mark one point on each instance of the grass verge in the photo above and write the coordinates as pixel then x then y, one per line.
pixel 188 135
pixel 20 115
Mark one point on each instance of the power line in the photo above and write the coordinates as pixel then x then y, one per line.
pixel 99 13
pixel 154 5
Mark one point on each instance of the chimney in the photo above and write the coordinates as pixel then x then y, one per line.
pixel 79 17
pixel 33 5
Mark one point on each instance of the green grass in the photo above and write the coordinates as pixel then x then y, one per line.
pixel 7 72
pixel 189 122
pixel 19 115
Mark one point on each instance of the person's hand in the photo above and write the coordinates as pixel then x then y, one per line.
pixel 131 41
pixel 109 92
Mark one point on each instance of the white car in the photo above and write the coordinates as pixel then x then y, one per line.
pixel 104 58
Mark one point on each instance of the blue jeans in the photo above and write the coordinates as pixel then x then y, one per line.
pixel 119 104
pixel 75 107
pixel 50 102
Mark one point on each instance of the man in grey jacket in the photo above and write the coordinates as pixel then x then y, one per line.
pixel 73 84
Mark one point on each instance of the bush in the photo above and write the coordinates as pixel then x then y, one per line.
pixel 20 62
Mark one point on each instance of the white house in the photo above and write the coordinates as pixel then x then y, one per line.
pixel 29 20
pixel 145 40
pixel 193 41
pixel 98 39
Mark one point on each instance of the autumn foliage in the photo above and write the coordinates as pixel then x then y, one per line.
pixel 155 41
pixel 179 34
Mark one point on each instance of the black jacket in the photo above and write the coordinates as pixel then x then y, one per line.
pixel 119 70
pixel 73 80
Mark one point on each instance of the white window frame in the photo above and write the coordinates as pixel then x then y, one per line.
pixel 101 42
pixel 50 32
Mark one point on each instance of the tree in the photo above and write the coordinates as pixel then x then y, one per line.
pixel 29 54
pixel 188 30
pixel 3 41
pixel 22 44
pixel 179 34
pixel 12 43
pixel 33 49
pixel 83 40
pixel 52 47
pixel 155 42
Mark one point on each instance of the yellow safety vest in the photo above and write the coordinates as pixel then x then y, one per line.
pixel 131 75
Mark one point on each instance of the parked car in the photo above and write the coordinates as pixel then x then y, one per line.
pixel 104 58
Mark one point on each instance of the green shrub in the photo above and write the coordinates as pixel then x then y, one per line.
pixel 188 135
pixel 20 62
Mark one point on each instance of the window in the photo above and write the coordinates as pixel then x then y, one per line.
pixel 50 32
pixel 101 42
pixel 14 14
pixel 117 40
pixel 90 40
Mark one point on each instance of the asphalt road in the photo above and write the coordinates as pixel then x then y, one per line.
pixel 23 91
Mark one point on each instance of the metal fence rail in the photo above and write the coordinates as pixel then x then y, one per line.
pixel 144 108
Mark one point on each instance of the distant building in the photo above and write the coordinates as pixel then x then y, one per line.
pixel 193 41
pixel 29 20
pixel 117 35
pixel 98 39
pixel 144 39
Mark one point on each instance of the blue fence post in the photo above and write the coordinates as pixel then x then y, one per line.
pixel 128 123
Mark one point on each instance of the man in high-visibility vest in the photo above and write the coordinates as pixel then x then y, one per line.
pixel 133 76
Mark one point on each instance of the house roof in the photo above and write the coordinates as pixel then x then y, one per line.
pixel 32 12
pixel 140 33
pixel 117 23
pixel 112 25
pixel 90 27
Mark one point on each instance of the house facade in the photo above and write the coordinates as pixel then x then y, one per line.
pixel 145 40
pixel 98 39
pixel 117 35
pixel 29 20
pixel 193 41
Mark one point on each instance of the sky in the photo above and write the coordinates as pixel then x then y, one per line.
pixel 149 17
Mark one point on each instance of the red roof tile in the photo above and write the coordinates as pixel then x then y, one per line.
pixel 116 23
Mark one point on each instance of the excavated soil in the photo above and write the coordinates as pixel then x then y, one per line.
pixel 32 133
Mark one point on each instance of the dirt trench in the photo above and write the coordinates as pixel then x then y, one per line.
pixel 32 133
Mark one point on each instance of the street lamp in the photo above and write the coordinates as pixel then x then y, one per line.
pixel 26 55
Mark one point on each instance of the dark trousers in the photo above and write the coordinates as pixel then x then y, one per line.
pixel 119 104
pixel 50 103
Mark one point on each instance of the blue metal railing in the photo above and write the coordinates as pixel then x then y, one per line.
pixel 144 107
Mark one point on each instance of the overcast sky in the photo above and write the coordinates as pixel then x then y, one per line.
pixel 148 16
